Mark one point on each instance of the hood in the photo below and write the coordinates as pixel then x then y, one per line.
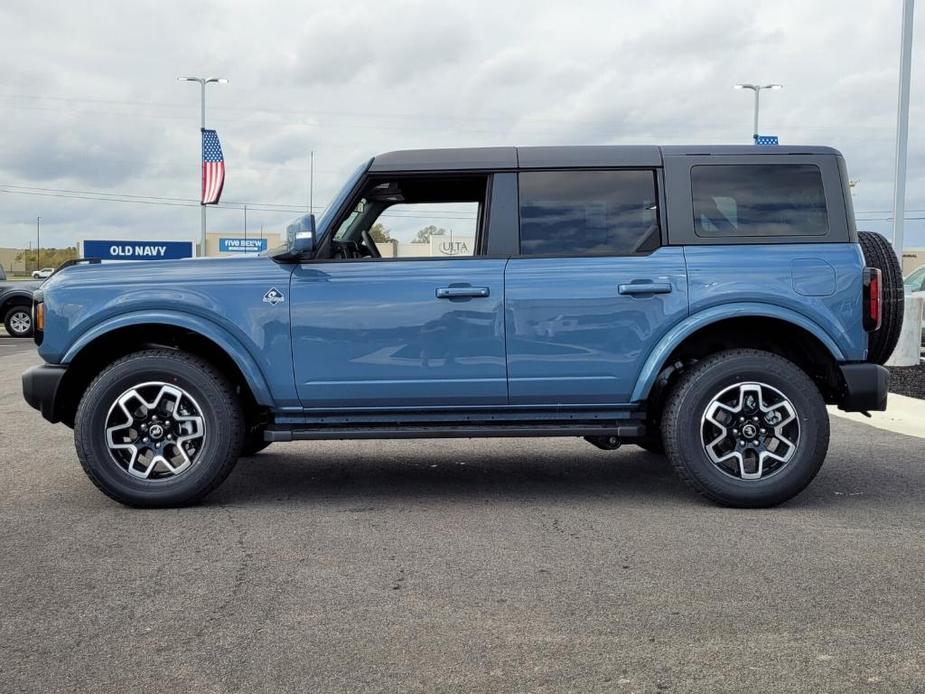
pixel 161 272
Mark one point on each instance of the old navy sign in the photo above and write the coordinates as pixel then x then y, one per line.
pixel 138 250
pixel 233 245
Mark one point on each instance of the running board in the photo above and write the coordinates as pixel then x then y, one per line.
pixel 442 431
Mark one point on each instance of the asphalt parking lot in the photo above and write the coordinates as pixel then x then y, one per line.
pixel 455 565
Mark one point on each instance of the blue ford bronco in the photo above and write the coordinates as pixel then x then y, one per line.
pixel 704 302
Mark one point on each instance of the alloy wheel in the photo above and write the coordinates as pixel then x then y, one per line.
pixel 155 431
pixel 21 322
pixel 750 431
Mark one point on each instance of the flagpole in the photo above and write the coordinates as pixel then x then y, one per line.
pixel 202 128
pixel 203 81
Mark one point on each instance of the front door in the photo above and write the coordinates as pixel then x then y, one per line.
pixel 399 333
pixel 405 312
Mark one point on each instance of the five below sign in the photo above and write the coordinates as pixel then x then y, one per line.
pixel 235 245
pixel 138 250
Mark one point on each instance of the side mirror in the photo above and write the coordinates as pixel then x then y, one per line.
pixel 300 235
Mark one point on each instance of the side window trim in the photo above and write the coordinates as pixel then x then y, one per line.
pixel 503 217
pixel 677 169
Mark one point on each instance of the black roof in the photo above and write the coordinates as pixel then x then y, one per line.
pixel 477 158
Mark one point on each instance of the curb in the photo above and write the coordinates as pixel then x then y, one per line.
pixel 904 415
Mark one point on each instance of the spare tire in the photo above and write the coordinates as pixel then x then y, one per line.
pixel 879 253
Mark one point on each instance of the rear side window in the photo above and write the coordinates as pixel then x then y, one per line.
pixel 758 200
pixel 571 213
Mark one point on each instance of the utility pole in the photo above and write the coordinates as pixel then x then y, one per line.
pixel 202 81
pixel 311 181
pixel 902 130
pixel 757 89
pixel 38 243
pixel 245 227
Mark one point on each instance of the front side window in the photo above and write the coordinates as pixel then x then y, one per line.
pixel 413 217
pixel 735 200
pixel 574 213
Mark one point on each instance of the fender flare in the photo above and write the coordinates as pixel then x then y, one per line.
pixel 702 319
pixel 15 294
pixel 194 323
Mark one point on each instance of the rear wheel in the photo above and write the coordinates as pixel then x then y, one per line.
pixel 158 428
pixel 746 428
pixel 879 253
pixel 18 321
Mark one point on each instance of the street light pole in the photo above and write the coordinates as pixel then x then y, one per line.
pixel 757 89
pixel 902 130
pixel 202 81
pixel 38 243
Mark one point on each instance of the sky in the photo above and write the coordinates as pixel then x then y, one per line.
pixel 91 109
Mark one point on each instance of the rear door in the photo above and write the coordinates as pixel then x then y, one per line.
pixel 592 289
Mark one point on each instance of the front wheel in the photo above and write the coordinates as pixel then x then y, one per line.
pixel 18 321
pixel 158 428
pixel 746 428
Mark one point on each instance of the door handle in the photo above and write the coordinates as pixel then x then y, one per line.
pixel 461 292
pixel 637 288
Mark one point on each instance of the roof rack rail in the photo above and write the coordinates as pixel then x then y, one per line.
pixel 75 261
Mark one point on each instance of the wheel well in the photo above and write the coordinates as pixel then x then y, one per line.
pixel 754 332
pixel 14 301
pixel 107 348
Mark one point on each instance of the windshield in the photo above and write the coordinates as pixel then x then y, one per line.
pixel 328 215
pixel 916 281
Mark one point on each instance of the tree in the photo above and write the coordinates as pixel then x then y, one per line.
pixel 424 234
pixel 51 257
pixel 379 233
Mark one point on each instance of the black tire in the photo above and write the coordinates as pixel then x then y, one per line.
pixel 17 318
pixel 879 253
pixel 221 417
pixel 688 402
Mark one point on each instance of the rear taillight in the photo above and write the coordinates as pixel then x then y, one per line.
pixel 872 299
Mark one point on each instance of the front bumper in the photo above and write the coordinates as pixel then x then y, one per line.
pixel 866 387
pixel 40 387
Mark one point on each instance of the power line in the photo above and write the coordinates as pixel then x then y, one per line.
pixel 186 202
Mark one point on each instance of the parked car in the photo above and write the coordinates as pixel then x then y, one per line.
pixel 43 274
pixel 16 306
pixel 915 283
pixel 707 302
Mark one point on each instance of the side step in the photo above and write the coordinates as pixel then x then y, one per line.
pixel 440 430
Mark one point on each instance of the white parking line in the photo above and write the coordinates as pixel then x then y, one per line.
pixel 904 415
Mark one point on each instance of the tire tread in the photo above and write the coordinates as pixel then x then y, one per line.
pixel 206 370
pixel 677 399
pixel 879 254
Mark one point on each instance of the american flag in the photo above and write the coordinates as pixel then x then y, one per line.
pixel 213 168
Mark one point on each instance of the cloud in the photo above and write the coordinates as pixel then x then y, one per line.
pixel 89 98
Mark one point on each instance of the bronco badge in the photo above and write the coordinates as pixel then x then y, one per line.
pixel 274 296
